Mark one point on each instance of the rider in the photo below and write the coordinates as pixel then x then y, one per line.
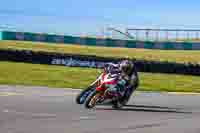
pixel 128 77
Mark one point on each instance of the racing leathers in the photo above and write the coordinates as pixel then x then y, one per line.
pixel 125 81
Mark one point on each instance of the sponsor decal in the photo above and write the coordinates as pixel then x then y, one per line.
pixel 77 63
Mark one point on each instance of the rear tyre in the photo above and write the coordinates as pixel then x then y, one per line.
pixel 92 99
pixel 125 99
pixel 117 105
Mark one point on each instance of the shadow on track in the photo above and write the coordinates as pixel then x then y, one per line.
pixel 146 108
pixel 149 106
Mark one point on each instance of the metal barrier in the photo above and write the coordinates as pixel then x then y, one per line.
pixel 1 35
pixel 108 42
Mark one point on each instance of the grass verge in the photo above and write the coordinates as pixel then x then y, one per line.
pixel 66 77
pixel 180 56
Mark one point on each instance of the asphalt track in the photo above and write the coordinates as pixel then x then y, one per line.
pixel 44 110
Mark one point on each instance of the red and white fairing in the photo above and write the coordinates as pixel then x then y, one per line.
pixel 106 78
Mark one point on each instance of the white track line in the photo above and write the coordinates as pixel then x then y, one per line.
pixel 29 113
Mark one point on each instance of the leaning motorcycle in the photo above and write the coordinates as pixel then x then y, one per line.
pixel 99 94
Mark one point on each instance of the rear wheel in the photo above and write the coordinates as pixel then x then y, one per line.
pixel 117 105
pixel 92 99
pixel 125 99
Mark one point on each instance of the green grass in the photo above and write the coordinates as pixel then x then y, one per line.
pixel 67 77
pixel 155 55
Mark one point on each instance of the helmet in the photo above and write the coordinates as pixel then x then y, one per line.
pixel 126 66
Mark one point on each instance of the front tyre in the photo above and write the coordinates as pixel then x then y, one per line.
pixel 92 99
pixel 81 97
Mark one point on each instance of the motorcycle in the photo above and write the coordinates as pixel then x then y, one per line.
pixel 98 93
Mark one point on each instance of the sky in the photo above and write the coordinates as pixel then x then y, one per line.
pixel 93 16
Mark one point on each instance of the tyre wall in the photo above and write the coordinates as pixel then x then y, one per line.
pixel 95 61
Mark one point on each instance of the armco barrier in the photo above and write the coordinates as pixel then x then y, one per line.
pixel 0 35
pixel 8 35
pixel 94 61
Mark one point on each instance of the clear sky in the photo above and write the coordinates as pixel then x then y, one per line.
pixel 90 16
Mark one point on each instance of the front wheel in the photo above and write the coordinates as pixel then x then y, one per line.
pixel 92 99
pixel 81 97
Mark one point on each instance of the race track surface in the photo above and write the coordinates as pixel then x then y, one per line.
pixel 44 110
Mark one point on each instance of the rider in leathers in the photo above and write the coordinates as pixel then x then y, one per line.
pixel 128 77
